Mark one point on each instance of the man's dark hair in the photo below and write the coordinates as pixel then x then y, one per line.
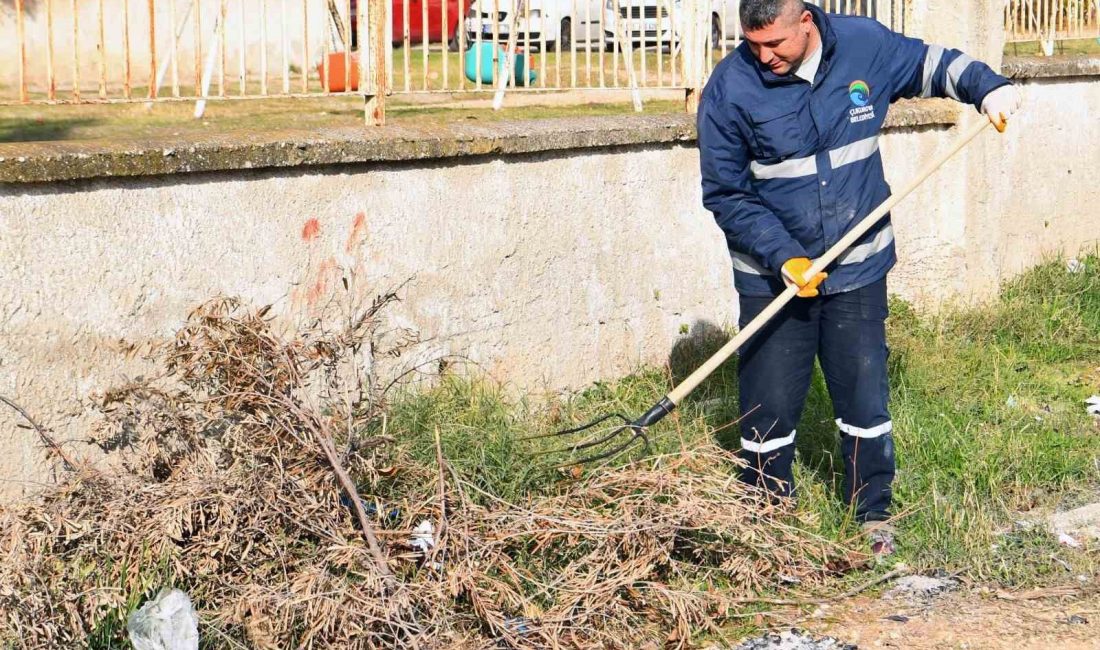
pixel 758 14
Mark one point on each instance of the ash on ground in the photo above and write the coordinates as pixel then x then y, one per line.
pixel 920 587
pixel 793 640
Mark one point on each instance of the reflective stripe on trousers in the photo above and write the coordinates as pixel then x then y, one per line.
pixel 846 332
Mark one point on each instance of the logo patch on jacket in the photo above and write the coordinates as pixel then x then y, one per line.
pixel 860 95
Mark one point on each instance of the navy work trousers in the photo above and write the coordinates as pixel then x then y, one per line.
pixel 847 332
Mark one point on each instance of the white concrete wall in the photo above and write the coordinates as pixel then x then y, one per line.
pixel 548 270
pixel 1005 202
pixel 1047 178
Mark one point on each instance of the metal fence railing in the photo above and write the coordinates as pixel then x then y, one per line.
pixel 105 51
pixel 1048 21
pixel 95 51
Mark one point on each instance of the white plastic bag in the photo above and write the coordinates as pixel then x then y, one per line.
pixel 1092 405
pixel 167 622
pixel 423 538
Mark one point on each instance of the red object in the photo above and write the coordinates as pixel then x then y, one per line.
pixel 336 71
pixel 436 34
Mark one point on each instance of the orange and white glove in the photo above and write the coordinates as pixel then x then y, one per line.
pixel 794 272
pixel 1001 104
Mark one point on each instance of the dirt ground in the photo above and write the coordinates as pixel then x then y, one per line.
pixel 1066 619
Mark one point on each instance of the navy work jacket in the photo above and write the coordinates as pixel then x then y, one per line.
pixel 789 167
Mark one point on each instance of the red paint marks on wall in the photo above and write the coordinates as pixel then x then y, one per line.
pixel 322 281
pixel 358 231
pixel 311 230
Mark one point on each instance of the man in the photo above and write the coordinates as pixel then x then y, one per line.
pixel 788 138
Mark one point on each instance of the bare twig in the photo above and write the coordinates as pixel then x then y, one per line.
pixel 334 14
pixel 325 442
pixel 231 476
pixel 42 433
pixel 442 494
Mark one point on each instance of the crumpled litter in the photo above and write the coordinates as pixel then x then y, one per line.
pixel 167 622
pixel 371 508
pixel 520 625
pixel 1063 538
pixel 1074 265
pixel 423 537
pixel 1093 405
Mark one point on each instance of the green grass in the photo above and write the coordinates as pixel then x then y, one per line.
pixel 156 573
pixel 990 427
pixel 1072 47
pixel 988 405
pixel 173 120
pixel 414 71
pixel 553 69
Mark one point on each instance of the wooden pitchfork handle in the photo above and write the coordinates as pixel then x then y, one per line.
pixel 669 402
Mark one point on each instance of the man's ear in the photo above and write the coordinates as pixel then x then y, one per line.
pixel 805 21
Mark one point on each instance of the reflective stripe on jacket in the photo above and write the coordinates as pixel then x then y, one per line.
pixel 788 168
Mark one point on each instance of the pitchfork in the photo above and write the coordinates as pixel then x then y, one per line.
pixel 636 429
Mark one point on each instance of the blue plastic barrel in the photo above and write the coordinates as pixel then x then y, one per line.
pixel 486 73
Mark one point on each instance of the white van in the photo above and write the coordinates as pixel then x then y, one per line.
pixel 659 22
pixel 566 20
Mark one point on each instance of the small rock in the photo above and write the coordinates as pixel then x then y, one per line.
pixel 1076 619
pixel 900 618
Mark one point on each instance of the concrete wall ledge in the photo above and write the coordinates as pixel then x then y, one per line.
pixel 1040 67
pixel 43 162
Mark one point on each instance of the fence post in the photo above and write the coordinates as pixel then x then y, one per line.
pixel 377 47
pixel 882 13
pixel 692 55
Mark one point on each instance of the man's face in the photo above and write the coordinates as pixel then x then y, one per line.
pixel 782 45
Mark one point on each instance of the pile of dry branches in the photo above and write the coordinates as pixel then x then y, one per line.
pixel 234 477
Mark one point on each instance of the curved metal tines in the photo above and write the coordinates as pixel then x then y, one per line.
pixel 583 427
pixel 636 433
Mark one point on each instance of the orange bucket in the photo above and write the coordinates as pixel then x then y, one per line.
pixel 336 62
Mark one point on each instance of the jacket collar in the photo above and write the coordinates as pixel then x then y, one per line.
pixel 828 46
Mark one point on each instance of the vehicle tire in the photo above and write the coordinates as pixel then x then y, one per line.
pixel 566 34
pixel 452 44
pixel 715 33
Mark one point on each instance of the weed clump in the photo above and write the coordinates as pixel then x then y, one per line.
pixel 255 476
